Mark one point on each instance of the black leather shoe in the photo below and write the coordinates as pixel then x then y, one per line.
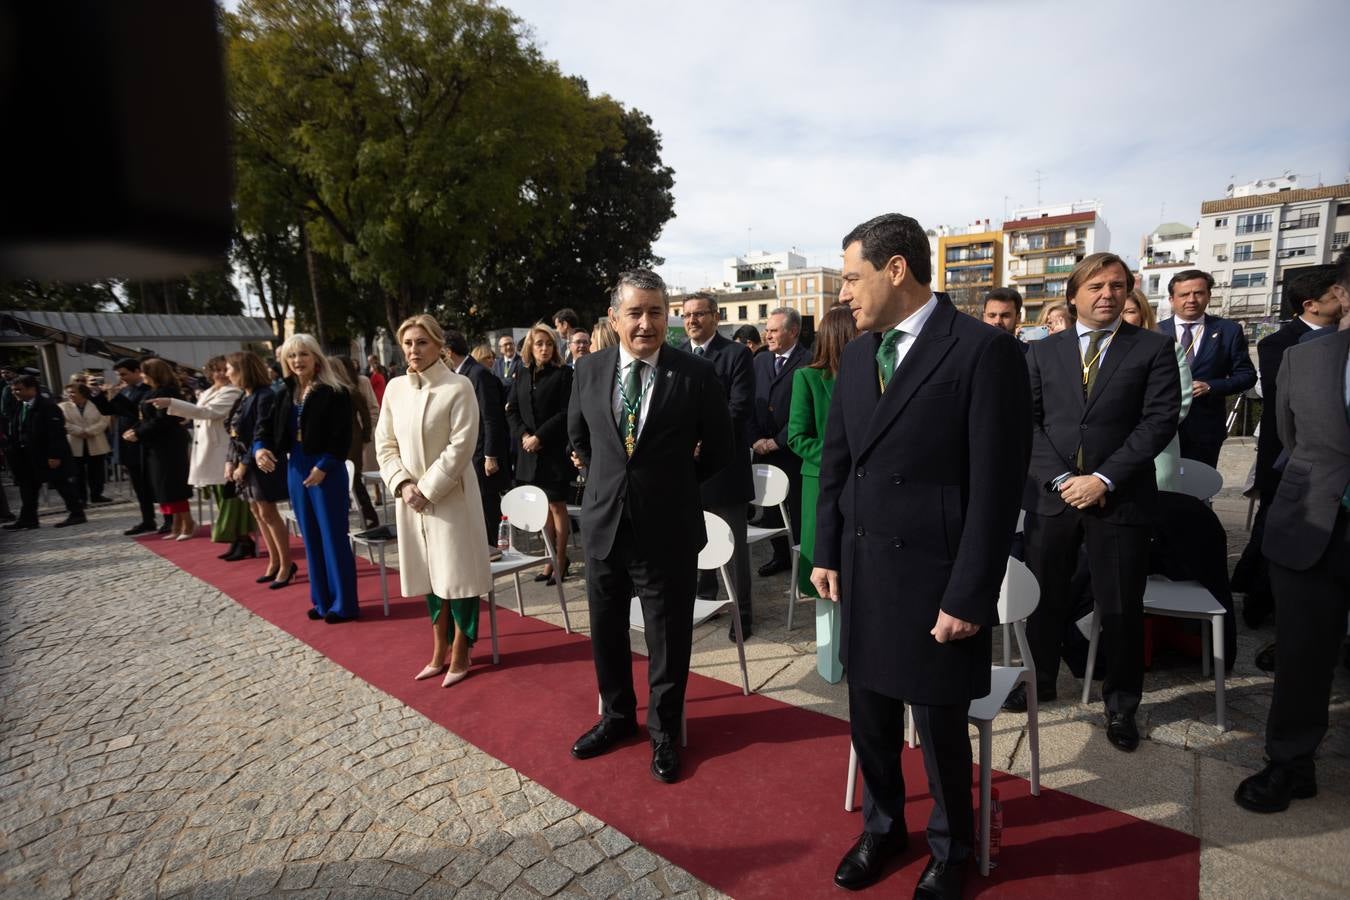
pixel 165 528
pixel 278 583
pixel 1271 789
pixel 1122 732
pixel 746 631
pixel 1265 658
pixel 333 618
pixel 19 526
pixel 773 567
pixel 143 528
pixel 1256 606
pixel 230 555
pixel 1017 699
pixel 863 864
pixel 76 519
pixel 605 734
pixel 314 614
pixel 941 880
pixel 665 761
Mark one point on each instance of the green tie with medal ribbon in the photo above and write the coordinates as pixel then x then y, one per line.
pixel 886 356
pixel 632 405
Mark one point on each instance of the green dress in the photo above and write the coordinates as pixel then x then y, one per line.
pixel 811 392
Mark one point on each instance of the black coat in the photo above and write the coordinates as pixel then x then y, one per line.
pixel 538 406
pixel 919 493
pixel 1129 419
pixel 494 434
pixel 325 422
pixel 735 368
pixel 658 487
pixel 251 423
pixel 1223 363
pixel 1270 353
pixel 126 406
pixel 165 448
pixel 773 404
pixel 37 437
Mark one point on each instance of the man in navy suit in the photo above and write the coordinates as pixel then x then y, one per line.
pixel 491 459
pixel 507 364
pixel 773 401
pixel 727 492
pixel 1216 350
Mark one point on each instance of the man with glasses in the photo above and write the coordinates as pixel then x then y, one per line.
pixel 728 491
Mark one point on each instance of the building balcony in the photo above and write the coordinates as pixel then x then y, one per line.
pixel 1301 222
pixel 1028 250
pixel 1253 255
pixel 985 259
pixel 1258 228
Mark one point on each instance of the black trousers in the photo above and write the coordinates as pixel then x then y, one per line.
pixel 87 475
pixel 709 580
pixel 1202 442
pixel 665 587
pixel 1118 560
pixel 31 478
pixel 489 488
pixel 1310 614
pixel 136 473
pixel 877 725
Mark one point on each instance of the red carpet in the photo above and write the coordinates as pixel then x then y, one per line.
pixel 758 812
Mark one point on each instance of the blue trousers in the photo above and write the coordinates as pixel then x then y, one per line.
pixel 322 514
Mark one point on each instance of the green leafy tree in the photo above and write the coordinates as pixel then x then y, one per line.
pixel 98 296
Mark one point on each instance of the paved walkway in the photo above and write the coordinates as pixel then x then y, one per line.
pixel 159 740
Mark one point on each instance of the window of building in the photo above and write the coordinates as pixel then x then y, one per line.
pixel 1249 279
pixel 1153 284
pixel 810 307
pixel 1221 251
pixel 810 286
pixel 1221 222
pixel 1340 239
pixel 764 310
pixel 742 313
pixel 1254 223
pixel 1304 245
pixel 787 287
pixel 1301 218
pixel 1250 250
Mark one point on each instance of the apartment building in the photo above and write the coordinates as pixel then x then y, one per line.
pixel 737 307
pixel 810 290
pixel 1171 248
pixel 756 271
pixel 1251 239
pixel 1041 245
pixel 969 261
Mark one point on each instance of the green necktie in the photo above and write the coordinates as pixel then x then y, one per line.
pixel 1092 362
pixel 886 355
pixel 23 413
pixel 632 405
pixel 698 351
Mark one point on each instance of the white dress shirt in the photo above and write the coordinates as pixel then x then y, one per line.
pixel 1084 336
pixel 1197 333
pixel 910 327
pixel 626 360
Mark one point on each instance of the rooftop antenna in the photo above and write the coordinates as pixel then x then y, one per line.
pixel 1038 179
pixel 1162 212
pixel 749 242
pixel 1005 207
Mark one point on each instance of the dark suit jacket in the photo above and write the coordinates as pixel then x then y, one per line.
pixel 538 405
pixel 1269 354
pixel 38 436
pixel 735 369
pixel 494 436
pixel 1316 433
pixel 919 493
pixel 1223 363
pixel 325 423
pixel 773 404
pixel 126 406
pixel 504 372
pixel 1129 419
pixel 656 491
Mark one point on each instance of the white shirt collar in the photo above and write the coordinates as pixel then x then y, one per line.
pixel 1311 325
pixel 914 322
pixel 1087 329
pixel 695 345
pixel 626 358
pixel 1199 321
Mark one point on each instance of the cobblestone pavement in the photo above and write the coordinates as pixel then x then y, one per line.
pixel 159 740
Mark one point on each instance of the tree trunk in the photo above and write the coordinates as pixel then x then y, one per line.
pixel 312 270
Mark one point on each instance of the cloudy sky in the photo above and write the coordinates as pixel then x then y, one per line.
pixel 788 122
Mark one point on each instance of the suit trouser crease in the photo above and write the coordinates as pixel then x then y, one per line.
pixel 144 498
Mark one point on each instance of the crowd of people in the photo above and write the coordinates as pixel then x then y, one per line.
pixel 912 436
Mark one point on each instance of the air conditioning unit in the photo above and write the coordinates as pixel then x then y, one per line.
pixel 1222 258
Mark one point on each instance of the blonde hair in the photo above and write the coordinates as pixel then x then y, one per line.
pixel 603 335
pixel 324 371
pixel 1148 319
pixel 1050 309
pixel 527 351
pixel 424 322
pixel 483 353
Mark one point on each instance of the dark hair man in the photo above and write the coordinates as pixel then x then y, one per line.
pixel 491 459
pixel 1092 478
pixel 126 405
pixel 1308 546
pixel 566 321
pixel 1003 309
pixel 749 336
pixel 1216 350
pixel 638 413
pixel 768 428
pixel 39 454
pixel 1313 295
pixel 924 457
pixel 727 492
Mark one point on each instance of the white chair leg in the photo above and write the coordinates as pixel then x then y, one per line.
pixel 520 601
pixel 1204 651
pixel 384 582
pixel 736 628
pixel 1034 734
pixel 562 604
pixel 851 790
pixel 1220 663
pixel 911 730
pixel 1007 646
pixel 1094 633
pixel 792 589
pixel 492 623
pixel 986 779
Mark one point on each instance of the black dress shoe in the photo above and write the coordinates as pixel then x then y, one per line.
pixel 604 735
pixel 1122 732
pixel 313 614
pixel 279 583
pixel 243 549
pixel 746 632
pixel 1265 658
pixel 143 528
pixel 941 880
pixel 333 618
pixel 773 567
pixel 1271 789
pixel 100 500
pixel 76 519
pixel 229 555
pixel 544 576
pixel 863 864
pixel 165 528
pixel 1017 699
pixel 19 526
pixel 665 761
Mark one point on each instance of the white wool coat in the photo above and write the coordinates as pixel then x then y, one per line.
pixel 209 438
pixel 426 434
pixel 90 426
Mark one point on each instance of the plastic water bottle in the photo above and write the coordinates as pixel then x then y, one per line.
pixel 504 535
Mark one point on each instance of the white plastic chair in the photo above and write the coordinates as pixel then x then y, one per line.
pixel 375 479
pixel 1197 479
pixel 371 544
pixel 771 489
pixel 716 553
pixel 1177 600
pixel 526 508
pixel 1017 600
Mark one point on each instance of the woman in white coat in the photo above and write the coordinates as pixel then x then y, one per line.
pixel 424 442
pixel 87 432
pixel 232 524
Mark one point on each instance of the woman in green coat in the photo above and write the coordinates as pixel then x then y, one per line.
pixel 812 387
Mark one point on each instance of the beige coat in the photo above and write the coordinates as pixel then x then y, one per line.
pixel 426 434
pixel 90 426
pixel 209 438
pixel 367 391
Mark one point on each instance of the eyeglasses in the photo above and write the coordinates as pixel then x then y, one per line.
pixel 694 315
